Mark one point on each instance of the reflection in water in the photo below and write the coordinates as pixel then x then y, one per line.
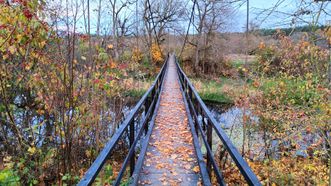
pixel 231 121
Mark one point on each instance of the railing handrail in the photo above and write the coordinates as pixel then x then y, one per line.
pixel 98 163
pixel 244 168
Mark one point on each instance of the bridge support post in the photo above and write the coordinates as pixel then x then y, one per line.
pixel 210 143
pixel 147 106
pixel 133 157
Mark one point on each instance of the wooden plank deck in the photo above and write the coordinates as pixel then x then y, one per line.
pixel 170 158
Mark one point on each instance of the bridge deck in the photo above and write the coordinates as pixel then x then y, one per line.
pixel 170 158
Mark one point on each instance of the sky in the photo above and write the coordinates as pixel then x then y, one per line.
pixel 282 15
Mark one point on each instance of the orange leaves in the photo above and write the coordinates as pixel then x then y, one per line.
pixel 156 53
pixel 110 46
pixel 112 65
pixel 160 165
pixel 328 34
pixel 262 45
pixel 170 147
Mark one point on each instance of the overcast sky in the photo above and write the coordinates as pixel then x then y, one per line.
pixel 282 15
pixel 262 14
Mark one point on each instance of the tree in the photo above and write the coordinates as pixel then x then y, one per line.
pixel 158 16
pixel 209 17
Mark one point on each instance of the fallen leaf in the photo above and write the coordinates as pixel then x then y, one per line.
pixel 196 169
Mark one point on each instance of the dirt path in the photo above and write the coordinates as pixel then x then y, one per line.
pixel 170 157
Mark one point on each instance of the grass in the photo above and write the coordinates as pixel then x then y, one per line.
pixel 135 93
pixel 216 90
pixel 136 88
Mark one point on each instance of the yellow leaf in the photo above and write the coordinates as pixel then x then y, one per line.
pixel 42 44
pixel 12 49
pixel 32 150
pixel 4 57
pixel 19 37
pixel 196 169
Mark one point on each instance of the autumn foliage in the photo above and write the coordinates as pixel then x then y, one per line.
pixel 289 93
pixel 156 53
pixel 54 104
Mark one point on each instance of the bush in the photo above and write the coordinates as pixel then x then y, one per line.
pixel 292 59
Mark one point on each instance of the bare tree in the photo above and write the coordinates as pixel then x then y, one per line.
pixel 119 22
pixel 158 16
pixel 209 18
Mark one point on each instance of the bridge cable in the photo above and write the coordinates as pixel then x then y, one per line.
pixel 188 28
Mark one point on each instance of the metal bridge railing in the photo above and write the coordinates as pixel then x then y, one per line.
pixel 139 131
pixel 204 128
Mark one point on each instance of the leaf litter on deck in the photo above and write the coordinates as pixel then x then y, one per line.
pixel 170 157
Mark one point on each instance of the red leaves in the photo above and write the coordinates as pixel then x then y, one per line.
pixel 27 13
pixel 22 2
pixel 122 66
pixel 96 81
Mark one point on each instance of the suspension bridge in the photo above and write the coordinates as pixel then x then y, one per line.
pixel 166 131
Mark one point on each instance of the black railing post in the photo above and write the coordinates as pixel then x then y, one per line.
pixel 147 106
pixel 203 122
pixel 196 102
pixel 210 143
pixel 133 158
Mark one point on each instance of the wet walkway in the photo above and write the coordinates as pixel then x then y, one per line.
pixel 170 157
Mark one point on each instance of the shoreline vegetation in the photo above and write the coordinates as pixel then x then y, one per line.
pixel 70 70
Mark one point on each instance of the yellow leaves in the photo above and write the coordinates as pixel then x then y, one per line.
pixel 156 53
pixel 32 150
pixel 196 169
pixel 40 111
pixel 42 44
pixel 12 49
pixel 19 37
pixel 137 55
pixel 4 57
pixel 328 34
pixel 281 84
pixel 27 67
pixel 160 165
pixel 88 153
